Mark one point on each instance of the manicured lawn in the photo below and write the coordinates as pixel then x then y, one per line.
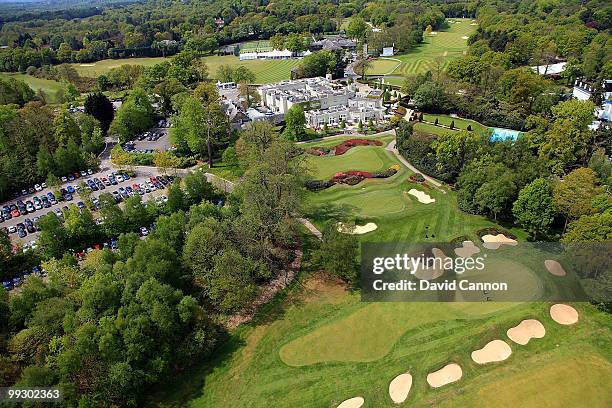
pixel 348 348
pixel 383 66
pixel 366 158
pixel 438 49
pixel 49 87
pixel 265 71
pixel 257 45
pixel 319 344
pixel 460 124
pixel 399 216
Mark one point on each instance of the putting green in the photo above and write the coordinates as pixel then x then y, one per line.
pixel 372 203
pixel 370 332
pixel 365 158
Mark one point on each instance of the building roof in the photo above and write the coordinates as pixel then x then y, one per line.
pixel 551 69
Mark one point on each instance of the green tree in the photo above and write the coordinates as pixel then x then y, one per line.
pixel 357 29
pixel 534 208
pixel 101 108
pixel 337 254
pixel 574 194
pixel 295 123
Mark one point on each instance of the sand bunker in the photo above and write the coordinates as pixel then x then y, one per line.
pixel 421 196
pixel 448 374
pixel 525 331
pixel 400 387
pixel 434 272
pixel 87 65
pixel 554 267
pixel 563 314
pixel 465 37
pixel 467 250
pixel 493 351
pixel 357 229
pixel 495 241
pixel 474 24
pixel 355 402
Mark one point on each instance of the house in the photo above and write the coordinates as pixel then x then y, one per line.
pixel 333 44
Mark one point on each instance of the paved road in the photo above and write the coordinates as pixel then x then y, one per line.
pixel 392 148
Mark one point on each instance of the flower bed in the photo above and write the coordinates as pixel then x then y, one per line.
pixel 350 177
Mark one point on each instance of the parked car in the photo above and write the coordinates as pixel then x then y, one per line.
pixel 37 187
pixel 144 231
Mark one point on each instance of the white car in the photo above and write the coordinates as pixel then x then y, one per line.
pixel 119 178
pixel 144 231
pixel 64 179
pixel 12 229
pixel 37 187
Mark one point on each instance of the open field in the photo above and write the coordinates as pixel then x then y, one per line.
pixel 257 45
pixel 265 71
pixel 437 50
pixel 48 86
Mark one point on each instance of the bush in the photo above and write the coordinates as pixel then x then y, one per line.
pixel 436 122
pixel 469 128
pixel 452 125
pixel 316 185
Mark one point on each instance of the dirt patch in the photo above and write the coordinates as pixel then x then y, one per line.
pixel 554 267
pixel 357 229
pixel 493 351
pixel 564 314
pixel 400 387
pixel 467 249
pixel 448 374
pixel 525 331
pixel 355 402
pixel 495 241
pixel 321 288
pixel 421 196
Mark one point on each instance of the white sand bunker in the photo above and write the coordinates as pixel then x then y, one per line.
pixel 448 374
pixel 525 331
pixel 421 196
pixel 563 314
pixel 355 402
pixel 437 269
pixel 495 241
pixel 357 229
pixel 465 37
pixel 400 387
pixel 87 65
pixel 554 267
pixel 474 24
pixel 493 351
pixel 467 250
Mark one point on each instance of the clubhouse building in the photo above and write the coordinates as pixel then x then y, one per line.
pixel 324 102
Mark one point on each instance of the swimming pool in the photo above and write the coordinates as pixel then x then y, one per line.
pixel 504 134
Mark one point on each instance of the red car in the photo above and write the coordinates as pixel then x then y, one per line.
pixel 135 186
pixel 76 174
pixel 15 213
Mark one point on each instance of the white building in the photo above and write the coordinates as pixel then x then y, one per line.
pixel 323 101
pixel 550 69
pixel 274 54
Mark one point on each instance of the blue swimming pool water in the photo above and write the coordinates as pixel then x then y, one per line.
pixel 504 134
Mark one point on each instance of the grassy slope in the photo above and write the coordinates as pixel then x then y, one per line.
pixel 48 86
pixel 265 71
pixel 440 48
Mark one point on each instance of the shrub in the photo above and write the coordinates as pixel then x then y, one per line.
pixel 452 125
pixel 469 128
pixel 436 122
pixel 316 185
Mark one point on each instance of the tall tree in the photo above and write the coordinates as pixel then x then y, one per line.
pixel 535 209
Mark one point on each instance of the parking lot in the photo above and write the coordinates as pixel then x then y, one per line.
pixel 156 138
pixel 30 207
